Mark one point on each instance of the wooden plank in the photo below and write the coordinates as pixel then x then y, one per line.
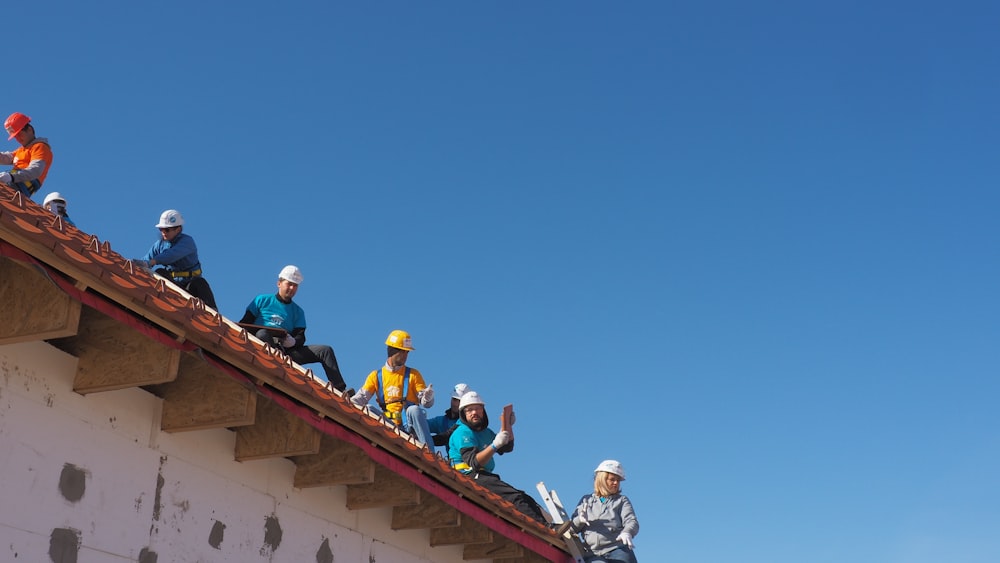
pixel 113 356
pixel 500 548
pixel 337 463
pixel 469 531
pixel 431 513
pixel 202 397
pixel 275 433
pixel 528 557
pixel 32 307
pixel 388 489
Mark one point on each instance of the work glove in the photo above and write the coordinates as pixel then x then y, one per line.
pixel 5 178
pixel 625 538
pixel 501 439
pixel 361 398
pixel 427 396
pixel 289 341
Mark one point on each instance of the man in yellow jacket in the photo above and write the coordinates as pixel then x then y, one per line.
pixel 31 161
pixel 400 391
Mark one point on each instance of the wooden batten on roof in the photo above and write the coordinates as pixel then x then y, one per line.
pixel 130 329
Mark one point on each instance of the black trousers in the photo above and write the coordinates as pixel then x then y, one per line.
pixel 311 354
pixel 515 496
pixel 323 354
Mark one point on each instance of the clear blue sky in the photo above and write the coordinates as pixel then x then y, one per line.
pixel 746 248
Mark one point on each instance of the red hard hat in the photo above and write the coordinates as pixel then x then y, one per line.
pixel 15 123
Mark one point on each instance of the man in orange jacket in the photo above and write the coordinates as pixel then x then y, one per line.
pixel 31 161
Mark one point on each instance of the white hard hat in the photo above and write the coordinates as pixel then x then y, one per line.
pixel 291 273
pixel 170 218
pixel 470 398
pixel 611 466
pixel 460 390
pixel 54 196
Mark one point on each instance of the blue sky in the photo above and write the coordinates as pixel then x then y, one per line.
pixel 745 248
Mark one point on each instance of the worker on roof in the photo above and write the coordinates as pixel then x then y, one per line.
pixel 56 203
pixel 400 391
pixel 279 311
pixel 473 447
pixel 175 257
pixel 31 161
pixel 605 519
pixel 442 426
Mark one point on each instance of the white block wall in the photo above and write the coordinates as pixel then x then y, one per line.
pixel 91 479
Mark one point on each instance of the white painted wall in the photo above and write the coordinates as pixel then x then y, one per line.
pixel 112 443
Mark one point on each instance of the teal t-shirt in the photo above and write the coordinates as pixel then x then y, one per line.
pixel 268 310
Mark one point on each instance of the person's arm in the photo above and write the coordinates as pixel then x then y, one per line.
pixel 425 393
pixel 630 523
pixel 6 157
pixel 581 516
pixel 367 391
pixel 181 247
pixel 299 334
pixel 476 460
pixel 40 156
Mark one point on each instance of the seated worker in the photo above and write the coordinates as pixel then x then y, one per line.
pixel 605 518
pixel 56 203
pixel 175 257
pixel 472 448
pixel 279 311
pixel 399 390
pixel 442 426
pixel 31 161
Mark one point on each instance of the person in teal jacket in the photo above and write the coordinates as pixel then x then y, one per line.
pixel 473 448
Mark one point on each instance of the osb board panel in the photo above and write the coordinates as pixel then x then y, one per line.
pixel 337 463
pixel 32 307
pixel 275 433
pixel 529 557
pixel 500 548
pixel 389 489
pixel 201 397
pixel 469 531
pixel 432 512
pixel 113 356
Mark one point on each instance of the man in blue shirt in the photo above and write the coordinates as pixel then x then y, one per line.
pixel 279 311
pixel 175 257
pixel 442 426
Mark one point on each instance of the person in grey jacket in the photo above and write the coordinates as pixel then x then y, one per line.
pixel 605 519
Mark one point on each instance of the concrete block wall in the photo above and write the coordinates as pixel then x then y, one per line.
pixel 91 479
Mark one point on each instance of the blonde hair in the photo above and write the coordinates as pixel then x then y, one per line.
pixel 601 486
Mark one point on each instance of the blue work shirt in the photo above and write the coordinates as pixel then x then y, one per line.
pixel 178 255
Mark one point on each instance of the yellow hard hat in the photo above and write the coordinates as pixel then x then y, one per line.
pixel 400 339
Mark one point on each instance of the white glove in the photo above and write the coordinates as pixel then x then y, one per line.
pixel 625 538
pixel 427 396
pixel 289 341
pixel 5 178
pixel 501 439
pixel 361 398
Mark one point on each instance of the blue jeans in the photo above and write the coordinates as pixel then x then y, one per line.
pixel 414 423
pixel 616 555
